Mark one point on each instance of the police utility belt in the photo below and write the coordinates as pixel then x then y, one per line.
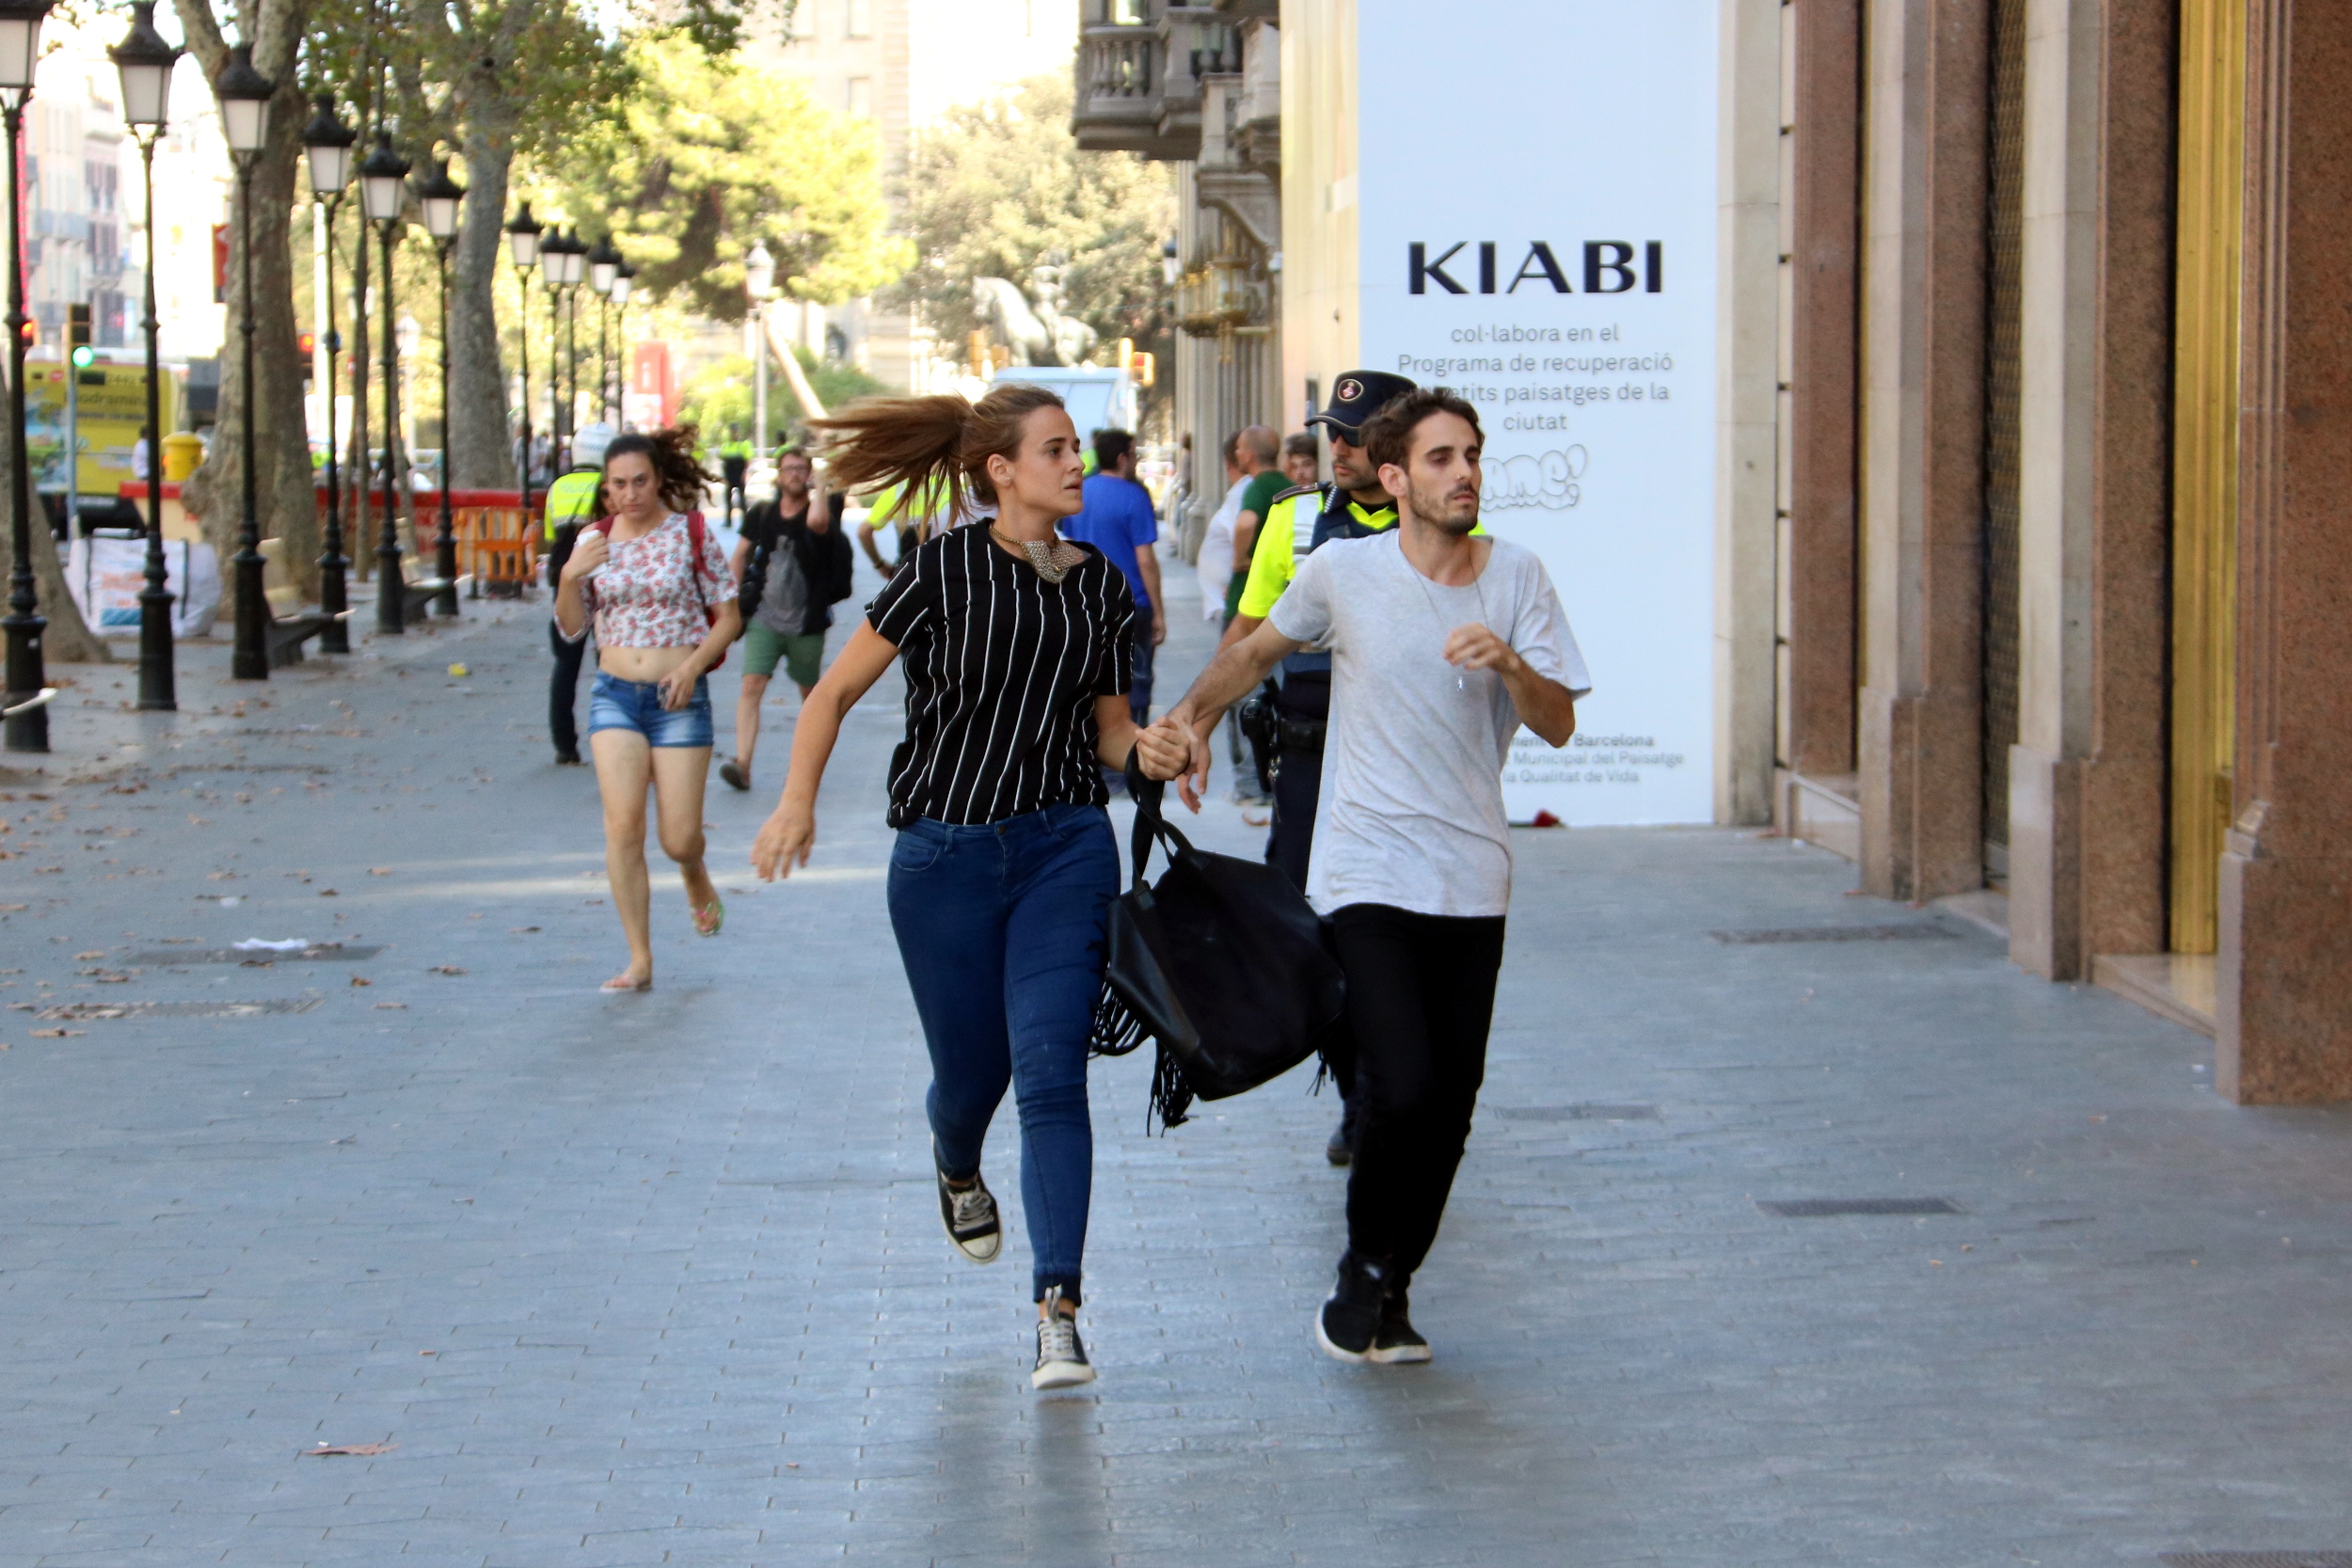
pixel 1302 734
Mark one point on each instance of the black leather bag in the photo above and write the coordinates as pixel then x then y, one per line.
pixel 1222 962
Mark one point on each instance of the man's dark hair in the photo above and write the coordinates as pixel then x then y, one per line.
pixel 1389 434
pixel 1302 444
pixel 1230 449
pixel 801 452
pixel 1109 447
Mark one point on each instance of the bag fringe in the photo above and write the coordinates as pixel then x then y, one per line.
pixel 1116 1030
pixel 1172 1094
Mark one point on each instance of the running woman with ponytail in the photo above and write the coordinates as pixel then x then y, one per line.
pixel 1016 643
pixel 656 585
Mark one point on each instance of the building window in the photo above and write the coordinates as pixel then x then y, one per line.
pixel 861 99
pixel 860 18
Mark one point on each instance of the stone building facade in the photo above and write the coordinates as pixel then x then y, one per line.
pixel 2054 373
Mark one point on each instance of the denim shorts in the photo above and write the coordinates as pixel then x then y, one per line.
pixel 614 704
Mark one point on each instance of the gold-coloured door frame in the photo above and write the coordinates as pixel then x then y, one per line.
pixel 2205 459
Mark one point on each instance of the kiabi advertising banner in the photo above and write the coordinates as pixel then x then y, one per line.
pixel 1537 185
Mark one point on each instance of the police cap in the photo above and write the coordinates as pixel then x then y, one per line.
pixel 1357 397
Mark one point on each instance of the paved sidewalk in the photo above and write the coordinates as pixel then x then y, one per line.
pixel 659 1279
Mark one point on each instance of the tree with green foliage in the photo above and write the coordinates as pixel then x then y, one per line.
pixel 709 156
pixel 998 186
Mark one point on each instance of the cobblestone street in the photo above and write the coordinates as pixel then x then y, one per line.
pixel 659 1279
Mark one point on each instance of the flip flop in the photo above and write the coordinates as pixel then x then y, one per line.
pixel 622 982
pixel 735 776
pixel 717 911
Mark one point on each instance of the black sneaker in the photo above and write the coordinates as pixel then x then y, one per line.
pixel 970 1214
pixel 1061 1358
pixel 735 776
pixel 1395 1342
pixel 569 759
pixel 1348 1323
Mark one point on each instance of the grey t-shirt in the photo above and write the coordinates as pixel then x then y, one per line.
pixel 784 605
pixel 1411 814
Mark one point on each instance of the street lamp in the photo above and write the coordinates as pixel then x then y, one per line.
pixel 382 183
pixel 27 720
pixel 759 282
pixel 522 247
pixel 555 256
pixel 440 196
pixel 244 94
pixel 604 270
pixel 328 141
pixel 144 62
pixel 1167 263
pixel 624 284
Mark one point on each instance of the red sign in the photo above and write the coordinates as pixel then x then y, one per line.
pixel 220 263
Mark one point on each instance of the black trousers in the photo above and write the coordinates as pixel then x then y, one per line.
pixel 1420 995
pixel 1298 782
pixel 564 693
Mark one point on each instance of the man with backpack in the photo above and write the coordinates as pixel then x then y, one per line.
pixel 795 565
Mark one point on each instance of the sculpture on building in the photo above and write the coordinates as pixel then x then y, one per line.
pixel 1039 333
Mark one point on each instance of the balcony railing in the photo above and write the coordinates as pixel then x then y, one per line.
pixel 1138 88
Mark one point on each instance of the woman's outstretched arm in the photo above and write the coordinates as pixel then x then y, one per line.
pixel 785 839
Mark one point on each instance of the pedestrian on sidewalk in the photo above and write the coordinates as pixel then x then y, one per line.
pixel 1016 645
pixel 1442 645
pixel 652 579
pixel 573 501
pixel 1117 520
pixel 809 569
pixel 1302 459
pixel 911 517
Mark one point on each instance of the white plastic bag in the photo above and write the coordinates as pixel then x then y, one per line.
pixel 106 576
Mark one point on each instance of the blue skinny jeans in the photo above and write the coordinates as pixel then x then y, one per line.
pixel 1001 926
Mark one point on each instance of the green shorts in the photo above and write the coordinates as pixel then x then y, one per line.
pixel 804 656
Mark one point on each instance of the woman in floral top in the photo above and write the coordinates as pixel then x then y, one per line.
pixel 655 586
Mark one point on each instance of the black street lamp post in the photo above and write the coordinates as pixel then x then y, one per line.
pixel 624 284
pixel 328 142
pixel 382 185
pixel 442 197
pixel 604 269
pixel 27 720
pixel 244 94
pixel 552 251
pixel 144 62
pixel 522 246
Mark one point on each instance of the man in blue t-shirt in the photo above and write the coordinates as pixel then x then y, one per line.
pixel 1117 520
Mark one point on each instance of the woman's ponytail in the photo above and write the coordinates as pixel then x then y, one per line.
pixel 935 444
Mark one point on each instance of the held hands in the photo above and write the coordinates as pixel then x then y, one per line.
pixel 1170 750
pixel 784 842
pixel 1477 647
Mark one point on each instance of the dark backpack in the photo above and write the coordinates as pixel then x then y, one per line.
pixel 1222 962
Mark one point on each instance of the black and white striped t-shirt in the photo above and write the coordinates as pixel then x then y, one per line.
pixel 1002 671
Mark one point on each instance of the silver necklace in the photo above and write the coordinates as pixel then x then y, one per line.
pixel 1477 586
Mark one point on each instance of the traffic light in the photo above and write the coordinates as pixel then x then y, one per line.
pixel 305 348
pixel 77 337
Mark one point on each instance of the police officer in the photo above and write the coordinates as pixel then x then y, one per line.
pixel 1299 520
pixel 574 501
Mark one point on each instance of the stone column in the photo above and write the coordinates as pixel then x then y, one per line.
pixel 1825 263
pixel 1747 354
pixel 1926 189
pixel 2087 832
pixel 2284 991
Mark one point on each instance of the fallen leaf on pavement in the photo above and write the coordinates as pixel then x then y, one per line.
pixel 93 953
pixel 329 893
pixel 380 870
pixel 57 1034
pixel 521 929
pixel 391 1006
pixel 14 908
pixel 363 1449
pixel 445 969
pixel 361 980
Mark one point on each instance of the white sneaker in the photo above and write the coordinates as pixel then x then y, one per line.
pixel 1061 1360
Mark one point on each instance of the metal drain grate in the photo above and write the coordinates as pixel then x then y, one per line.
pixel 1913 930
pixel 328 952
pixel 77 1012
pixel 2257 1559
pixel 1576 1112
pixel 1826 1207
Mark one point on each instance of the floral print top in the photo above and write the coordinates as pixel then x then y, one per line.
pixel 646 595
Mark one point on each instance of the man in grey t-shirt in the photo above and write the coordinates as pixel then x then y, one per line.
pixel 1442 645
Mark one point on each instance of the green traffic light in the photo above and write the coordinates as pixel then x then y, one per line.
pixel 85 357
